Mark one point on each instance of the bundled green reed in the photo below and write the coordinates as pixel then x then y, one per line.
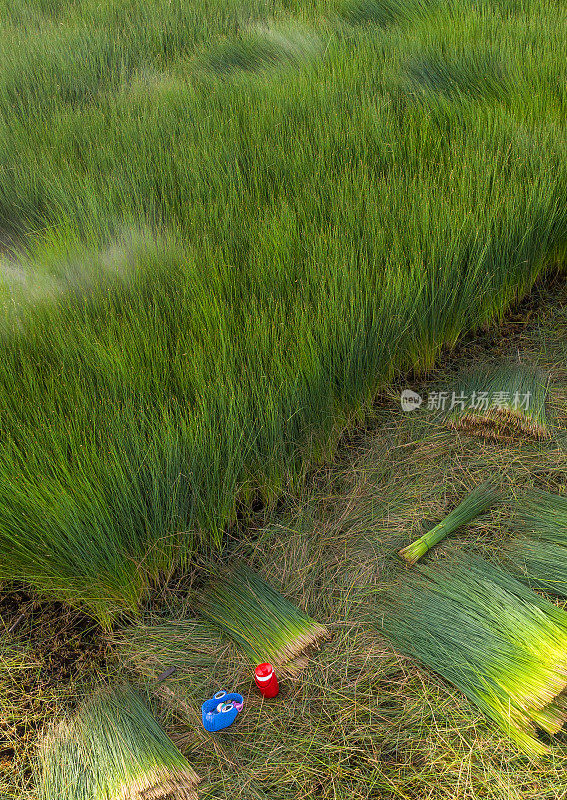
pixel 480 499
pixel 542 565
pixel 130 755
pixel 114 749
pixel 498 402
pixel 539 553
pixel 501 644
pixel 542 515
pixel 258 618
pixel 63 771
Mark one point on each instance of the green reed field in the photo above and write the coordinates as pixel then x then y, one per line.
pixel 223 227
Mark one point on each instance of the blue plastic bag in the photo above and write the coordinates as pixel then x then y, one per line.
pixel 221 710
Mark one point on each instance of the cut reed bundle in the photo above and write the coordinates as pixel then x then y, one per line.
pixel 501 644
pixel 539 554
pixel 63 771
pixel 257 617
pixel 114 749
pixel 130 755
pixel 540 564
pixel 474 504
pixel 500 402
pixel 542 515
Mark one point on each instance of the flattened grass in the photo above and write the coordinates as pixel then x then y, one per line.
pixel 542 515
pixel 540 564
pixel 194 647
pixel 47 656
pixel 64 772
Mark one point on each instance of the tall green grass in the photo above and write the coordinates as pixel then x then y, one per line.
pixel 311 227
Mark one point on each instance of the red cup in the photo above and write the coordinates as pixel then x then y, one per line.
pixel 266 680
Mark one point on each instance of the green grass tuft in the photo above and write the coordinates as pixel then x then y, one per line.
pixel 261 47
pixel 473 74
pixel 384 12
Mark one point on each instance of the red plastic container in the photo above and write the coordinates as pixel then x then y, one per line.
pixel 266 680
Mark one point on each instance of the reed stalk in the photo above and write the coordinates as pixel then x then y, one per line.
pixel 475 503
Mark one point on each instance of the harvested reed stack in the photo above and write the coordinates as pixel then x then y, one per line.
pixel 539 554
pixel 474 504
pixel 501 644
pixel 266 625
pixel 63 772
pixel 500 402
pixel 114 749
pixel 540 564
pixel 542 515
pixel 129 754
